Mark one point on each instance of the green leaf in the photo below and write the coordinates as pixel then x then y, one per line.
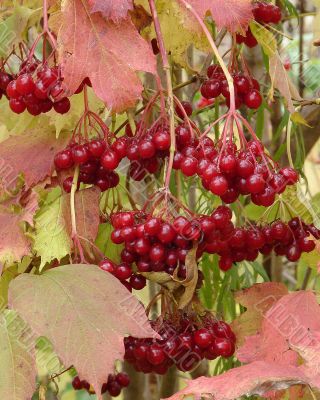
pixel 106 245
pixel 5 280
pixel 51 239
pixel 17 358
pixel 85 313
pixel 265 38
pixel 12 29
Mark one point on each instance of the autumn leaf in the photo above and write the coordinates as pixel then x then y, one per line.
pixel 51 240
pixel 13 242
pixel 92 311
pixel 191 280
pixel 265 38
pixel 256 378
pixel 115 9
pixel 257 299
pixel 31 154
pixel 179 28
pixel 233 15
pixel 17 358
pixel 281 81
pixel 62 122
pixel 12 29
pixel 109 54
pixel 87 213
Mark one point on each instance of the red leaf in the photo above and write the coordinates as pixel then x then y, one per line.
pixel 87 215
pixel 13 243
pixel 109 54
pixel 254 379
pixel 258 299
pixel 31 154
pixel 115 9
pixel 234 15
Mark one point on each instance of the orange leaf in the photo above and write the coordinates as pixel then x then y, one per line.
pixel 109 54
pixel 257 299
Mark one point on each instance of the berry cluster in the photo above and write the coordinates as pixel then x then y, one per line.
pixel 247 89
pixel 97 162
pixel 113 386
pixel 228 172
pixel 184 343
pixel 264 13
pixel 239 244
pixel 37 88
pixel 124 272
pixel 155 244
pixel 146 152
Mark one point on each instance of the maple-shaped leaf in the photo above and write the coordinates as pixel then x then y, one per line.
pixel 109 54
pixel 17 358
pixel 257 299
pixel 179 28
pixel 115 9
pixel 85 313
pixel 233 15
pixel 256 378
pixel 30 154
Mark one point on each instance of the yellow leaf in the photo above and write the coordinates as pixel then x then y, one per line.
pixel 69 120
pixel 179 30
pixel 264 37
pixel 297 118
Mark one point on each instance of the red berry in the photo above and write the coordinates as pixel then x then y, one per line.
pixel 155 355
pixel 189 166
pixel 25 84
pixel 63 159
pixel 203 338
pixel 123 379
pixel 162 140
pixel 12 90
pixel 109 160
pixel 62 106
pixel 253 99
pixel 219 185
pixel 107 265
pixel 18 106
pixel 77 383
pixel 137 282
pixel 123 272
pixel 211 89
pixel 187 108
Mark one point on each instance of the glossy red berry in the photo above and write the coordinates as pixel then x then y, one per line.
pixel 253 99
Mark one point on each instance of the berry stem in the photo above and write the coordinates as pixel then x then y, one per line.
pixel 289 128
pixel 216 53
pixel 166 68
pixel 72 201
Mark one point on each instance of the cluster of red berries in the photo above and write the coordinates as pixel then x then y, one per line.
pixel 264 13
pixel 228 172
pixel 113 386
pixel 239 244
pixel 124 272
pixel 147 152
pixel 247 89
pixel 97 162
pixel 183 343
pixel 156 245
pixel 36 88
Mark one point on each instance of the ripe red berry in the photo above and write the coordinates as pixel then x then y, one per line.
pixel 63 159
pixel 62 106
pixel 123 379
pixel 187 106
pixel 211 89
pixel 137 282
pixel 123 271
pixel 155 355
pixel 203 338
pixel 253 99
pixel 18 106
pixel 25 84
pixel 109 160
pixel 219 185
pixel 161 140
pixel 107 265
